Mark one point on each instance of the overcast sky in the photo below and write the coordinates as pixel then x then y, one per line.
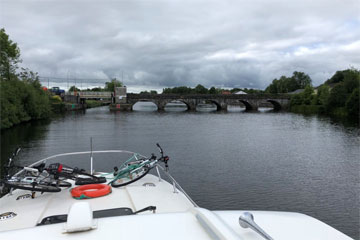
pixel 152 44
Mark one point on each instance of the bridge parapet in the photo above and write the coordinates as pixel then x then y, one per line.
pixel 89 95
pixel 207 96
pixel 251 102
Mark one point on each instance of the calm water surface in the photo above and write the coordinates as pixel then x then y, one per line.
pixel 259 161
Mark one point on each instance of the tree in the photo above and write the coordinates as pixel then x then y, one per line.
pixel 110 86
pixel 73 89
pixel 352 103
pixel 337 97
pixel 351 79
pixel 9 56
pixel 301 80
pixel 177 90
pixel 307 95
pixel 97 89
pixel 298 80
pixel 21 96
pixel 200 89
pixel 323 94
pixel 212 90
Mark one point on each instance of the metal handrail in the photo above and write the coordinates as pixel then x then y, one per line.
pixel 175 184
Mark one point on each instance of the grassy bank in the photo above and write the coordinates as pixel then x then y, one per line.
pixel 339 112
pixel 94 104
pixel 307 109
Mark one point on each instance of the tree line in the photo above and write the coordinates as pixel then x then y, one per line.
pixel 21 96
pixel 109 87
pixel 200 89
pixel 338 96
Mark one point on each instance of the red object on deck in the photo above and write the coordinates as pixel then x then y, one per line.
pixel 91 191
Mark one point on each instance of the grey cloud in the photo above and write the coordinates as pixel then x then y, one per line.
pixel 170 43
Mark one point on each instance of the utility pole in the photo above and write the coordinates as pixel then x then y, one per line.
pixel 67 80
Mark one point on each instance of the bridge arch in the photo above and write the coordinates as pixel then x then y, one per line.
pixel 248 106
pixel 216 103
pixel 276 104
pixel 175 101
pixel 143 101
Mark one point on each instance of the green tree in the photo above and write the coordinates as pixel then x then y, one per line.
pixel 351 80
pixel 307 95
pixel 212 90
pixel 97 89
pixel 73 89
pixel 200 89
pixel 301 80
pixel 177 90
pixel 273 87
pixel 352 103
pixel 337 97
pixel 298 80
pixel 323 94
pixel 110 86
pixel 9 56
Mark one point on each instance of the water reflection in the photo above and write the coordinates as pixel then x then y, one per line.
pixel 26 136
pixel 145 107
pixel 176 106
pixel 236 108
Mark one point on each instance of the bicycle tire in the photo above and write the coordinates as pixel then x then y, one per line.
pixel 31 187
pixel 54 183
pixel 122 181
pixel 85 181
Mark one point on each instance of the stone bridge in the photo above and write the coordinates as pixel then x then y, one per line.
pixel 251 102
pixel 92 95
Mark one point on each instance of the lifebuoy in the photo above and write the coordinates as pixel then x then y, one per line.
pixel 90 191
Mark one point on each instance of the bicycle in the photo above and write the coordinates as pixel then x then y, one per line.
pixel 131 171
pixel 45 179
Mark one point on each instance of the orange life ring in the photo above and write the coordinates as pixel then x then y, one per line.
pixel 90 191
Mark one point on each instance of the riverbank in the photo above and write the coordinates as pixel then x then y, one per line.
pixel 340 115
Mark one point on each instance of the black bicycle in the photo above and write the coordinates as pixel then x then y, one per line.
pixel 42 178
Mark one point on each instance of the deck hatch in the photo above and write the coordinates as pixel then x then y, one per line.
pixel 114 212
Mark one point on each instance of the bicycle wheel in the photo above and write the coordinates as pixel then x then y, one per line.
pixel 130 177
pixel 34 187
pixel 93 180
pixel 55 183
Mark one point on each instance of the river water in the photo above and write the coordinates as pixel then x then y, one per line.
pixel 228 160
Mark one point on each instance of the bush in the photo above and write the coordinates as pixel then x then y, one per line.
pixel 56 99
pixel 21 101
pixel 352 103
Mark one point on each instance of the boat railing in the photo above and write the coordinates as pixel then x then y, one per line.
pixel 175 184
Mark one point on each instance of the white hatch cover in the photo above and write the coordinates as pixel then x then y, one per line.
pixel 80 218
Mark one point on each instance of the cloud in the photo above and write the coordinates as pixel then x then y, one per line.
pixel 153 44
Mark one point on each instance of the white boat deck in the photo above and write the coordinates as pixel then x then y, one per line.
pixel 175 217
pixel 135 196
